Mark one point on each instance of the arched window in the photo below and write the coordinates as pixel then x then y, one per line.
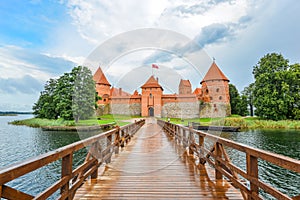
pixel 206 91
pixel 217 90
pixel 220 97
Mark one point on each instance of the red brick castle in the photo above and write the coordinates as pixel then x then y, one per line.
pixel 211 100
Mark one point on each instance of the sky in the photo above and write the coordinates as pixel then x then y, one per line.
pixel 42 39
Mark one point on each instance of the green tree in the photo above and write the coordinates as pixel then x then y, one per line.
pixel 238 103
pixel 234 99
pixel 84 96
pixel 63 95
pixel 248 93
pixel 72 95
pixel 45 106
pixel 293 91
pixel 243 106
pixel 271 87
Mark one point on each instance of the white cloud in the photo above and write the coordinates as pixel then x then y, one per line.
pixel 100 20
pixel 23 74
pixel 17 62
pixel 97 21
pixel 236 32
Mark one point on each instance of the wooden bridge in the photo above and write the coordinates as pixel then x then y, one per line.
pixel 158 160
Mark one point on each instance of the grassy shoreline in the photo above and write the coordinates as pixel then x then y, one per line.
pixel 243 122
pixel 102 120
pixel 235 120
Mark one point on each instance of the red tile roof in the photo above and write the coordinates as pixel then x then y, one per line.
pixel 118 92
pixel 197 91
pixel 214 73
pixel 151 83
pixel 100 78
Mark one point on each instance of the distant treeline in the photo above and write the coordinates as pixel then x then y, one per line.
pixel 14 113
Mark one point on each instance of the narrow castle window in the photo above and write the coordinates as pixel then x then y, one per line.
pixel 206 91
pixel 150 95
pixel 220 97
pixel 211 98
pixel 217 90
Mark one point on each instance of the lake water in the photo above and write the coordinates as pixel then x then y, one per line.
pixel 284 142
pixel 19 143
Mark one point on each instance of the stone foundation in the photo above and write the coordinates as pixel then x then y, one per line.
pixel 126 109
pixel 213 110
pixel 185 110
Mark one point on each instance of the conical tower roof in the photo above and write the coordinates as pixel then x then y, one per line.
pixel 100 78
pixel 214 73
pixel 151 83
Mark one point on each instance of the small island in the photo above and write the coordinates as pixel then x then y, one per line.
pixel 81 99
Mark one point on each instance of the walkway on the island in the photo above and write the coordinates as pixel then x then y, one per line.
pixel 153 167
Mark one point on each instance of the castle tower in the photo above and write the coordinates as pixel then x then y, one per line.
pixel 185 87
pixel 215 88
pixel 102 86
pixel 151 98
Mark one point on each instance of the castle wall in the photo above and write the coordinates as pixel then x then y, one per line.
pixel 125 109
pixel 186 110
pixel 213 110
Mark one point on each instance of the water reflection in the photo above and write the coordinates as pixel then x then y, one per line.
pixel 284 142
pixel 19 143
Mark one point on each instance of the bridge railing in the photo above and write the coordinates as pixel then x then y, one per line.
pixel 219 159
pixel 70 180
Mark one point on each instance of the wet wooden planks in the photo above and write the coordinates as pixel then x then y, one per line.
pixel 153 167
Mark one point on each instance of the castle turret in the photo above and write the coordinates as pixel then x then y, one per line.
pixel 151 98
pixel 102 86
pixel 185 87
pixel 215 85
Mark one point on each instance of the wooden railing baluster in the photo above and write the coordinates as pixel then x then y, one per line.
pixel 191 141
pixel 117 140
pixel 71 179
pixel 201 150
pixel 218 154
pixel 66 171
pixel 223 165
pixel 252 171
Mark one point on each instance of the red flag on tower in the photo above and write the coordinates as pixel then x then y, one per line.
pixel 154 66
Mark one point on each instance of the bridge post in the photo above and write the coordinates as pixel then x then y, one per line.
pixel 252 171
pixel 122 139
pixel 174 130
pixel 66 170
pixel 108 144
pixel 201 150
pixel 183 138
pixel 217 163
pixel 179 136
pixel 117 140
pixel 176 133
pixel 191 141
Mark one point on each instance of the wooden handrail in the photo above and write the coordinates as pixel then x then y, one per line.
pixel 219 159
pixel 70 179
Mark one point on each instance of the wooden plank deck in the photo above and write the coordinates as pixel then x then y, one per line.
pixel 153 167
